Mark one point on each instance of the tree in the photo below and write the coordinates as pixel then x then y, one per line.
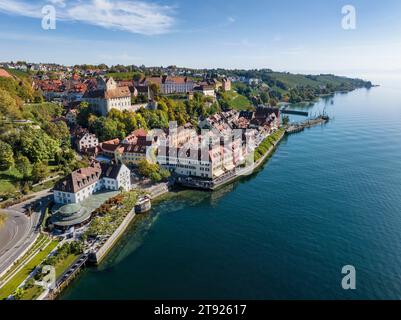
pixel 40 171
pixel 8 105
pixel 264 96
pixel 25 188
pixel 152 171
pixel 38 146
pixel 58 130
pixel 18 293
pixel 83 114
pixel 164 174
pixel 146 168
pixel 23 166
pixel 273 102
pixel 154 89
pixel 6 156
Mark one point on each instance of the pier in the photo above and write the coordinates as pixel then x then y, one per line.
pixel 299 127
pixel 295 112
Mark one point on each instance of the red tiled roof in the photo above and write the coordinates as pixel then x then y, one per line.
pixel 79 179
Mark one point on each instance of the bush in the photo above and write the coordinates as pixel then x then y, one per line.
pixel 153 171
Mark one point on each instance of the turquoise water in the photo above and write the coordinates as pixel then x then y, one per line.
pixel 329 197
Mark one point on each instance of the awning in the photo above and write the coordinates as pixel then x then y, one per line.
pixel 229 167
pixel 218 173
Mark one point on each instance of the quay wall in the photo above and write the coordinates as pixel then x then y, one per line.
pixel 102 252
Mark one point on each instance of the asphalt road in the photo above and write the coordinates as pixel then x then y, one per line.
pixel 20 230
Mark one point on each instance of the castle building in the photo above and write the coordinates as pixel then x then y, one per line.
pixel 107 96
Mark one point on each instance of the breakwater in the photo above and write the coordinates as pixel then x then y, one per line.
pixel 299 127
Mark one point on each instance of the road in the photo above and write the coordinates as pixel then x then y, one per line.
pixel 20 230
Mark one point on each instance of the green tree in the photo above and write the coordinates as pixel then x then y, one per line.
pixel 8 105
pixel 40 171
pixel 264 96
pixel 18 294
pixel 83 114
pixel 152 171
pixel 6 156
pixel 58 130
pixel 154 89
pixel 38 146
pixel 23 166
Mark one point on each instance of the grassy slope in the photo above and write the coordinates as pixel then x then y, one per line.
pixel 237 101
pixel 293 80
pixel 297 80
pixel 9 180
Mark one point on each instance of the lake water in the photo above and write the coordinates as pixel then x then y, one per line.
pixel 329 197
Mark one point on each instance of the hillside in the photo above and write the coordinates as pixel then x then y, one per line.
pixel 14 92
pixel 34 150
pixel 287 87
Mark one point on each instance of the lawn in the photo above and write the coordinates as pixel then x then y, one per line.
pixel 16 281
pixel 38 243
pixel 240 103
pixel 64 264
pixel 9 180
pixel 32 293
pixel 237 101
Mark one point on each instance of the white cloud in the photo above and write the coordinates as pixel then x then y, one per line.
pixel 60 3
pixel 135 16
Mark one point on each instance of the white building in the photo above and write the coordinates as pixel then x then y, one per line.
pixel 87 141
pixel 206 90
pixel 170 85
pixel 108 96
pixel 207 164
pixel 81 184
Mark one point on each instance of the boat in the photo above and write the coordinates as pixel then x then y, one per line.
pixel 143 205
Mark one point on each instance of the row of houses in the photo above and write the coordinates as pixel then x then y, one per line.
pixel 105 94
pixel 174 85
pixel 224 143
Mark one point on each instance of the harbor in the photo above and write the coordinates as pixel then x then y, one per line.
pixel 299 127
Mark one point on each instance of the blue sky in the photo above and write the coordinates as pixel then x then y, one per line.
pixel 285 35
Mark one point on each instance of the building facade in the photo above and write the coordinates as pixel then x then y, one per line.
pixel 87 141
pixel 107 96
pixel 170 85
pixel 82 183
